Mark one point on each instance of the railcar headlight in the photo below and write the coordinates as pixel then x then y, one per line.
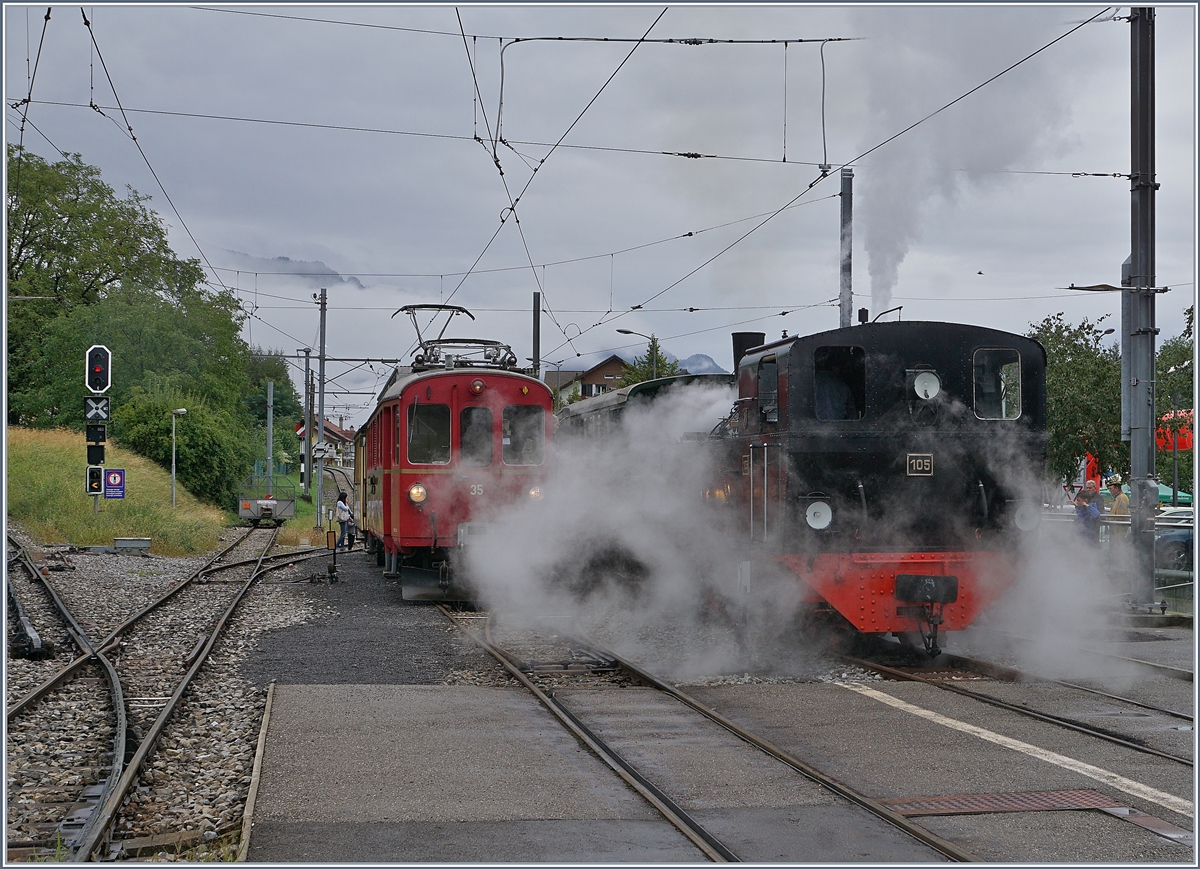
pixel 818 515
pixel 535 492
pixel 927 385
pixel 1027 517
pixel 417 493
pixel 477 387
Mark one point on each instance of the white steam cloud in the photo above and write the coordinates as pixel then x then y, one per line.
pixel 622 537
pixel 917 64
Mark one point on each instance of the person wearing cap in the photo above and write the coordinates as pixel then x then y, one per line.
pixel 1120 505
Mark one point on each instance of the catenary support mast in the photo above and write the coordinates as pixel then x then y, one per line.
pixel 1141 330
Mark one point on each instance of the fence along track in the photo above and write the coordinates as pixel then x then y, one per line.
pixel 106 815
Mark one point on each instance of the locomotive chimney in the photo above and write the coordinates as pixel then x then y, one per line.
pixel 743 341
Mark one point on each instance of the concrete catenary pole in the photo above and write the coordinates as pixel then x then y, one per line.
pixel 846 294
pixel 307 351
pixel 1143 483
pixel 320 469
pixel 271 435
pixel 537 333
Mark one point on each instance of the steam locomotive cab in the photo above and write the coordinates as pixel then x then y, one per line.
pixel 889 466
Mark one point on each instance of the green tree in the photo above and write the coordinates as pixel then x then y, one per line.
pixel 190 343
pixel 269 365
pixel 1083 396
pixel 1174 379
pixel 212 454
pixel 72 242
pixel 648 366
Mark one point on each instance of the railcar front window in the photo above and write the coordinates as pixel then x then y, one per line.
pixel 997 383
pixel 839 382
pixel 429 434
pixel 524 434
pixel 475 425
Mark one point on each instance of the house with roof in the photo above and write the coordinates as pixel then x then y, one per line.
pixel 597 380
pixel 340 439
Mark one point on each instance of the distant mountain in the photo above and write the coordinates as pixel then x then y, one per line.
pixel 701 363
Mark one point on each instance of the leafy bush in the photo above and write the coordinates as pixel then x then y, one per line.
pixel 212 453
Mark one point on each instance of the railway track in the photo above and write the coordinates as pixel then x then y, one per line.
pixel 150 658
pixel 543 665
pixel 948 676
pixel 1151 667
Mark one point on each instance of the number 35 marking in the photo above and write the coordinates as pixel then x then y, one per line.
pixel 476 489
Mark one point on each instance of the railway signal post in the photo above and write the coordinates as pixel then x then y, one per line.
pixel 97 410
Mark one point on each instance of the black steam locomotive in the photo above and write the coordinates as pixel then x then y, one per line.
pixel 890 467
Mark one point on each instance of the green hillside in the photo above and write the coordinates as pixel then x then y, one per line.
pixel 45 478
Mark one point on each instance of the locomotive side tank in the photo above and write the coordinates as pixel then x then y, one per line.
pixel 454 439
pixel 890 467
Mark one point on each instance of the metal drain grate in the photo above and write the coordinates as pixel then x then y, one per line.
pixel 970 804
pixel 1039 801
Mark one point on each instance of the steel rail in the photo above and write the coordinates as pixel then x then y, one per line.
pixel 1161 669
pixel 33 642
pixel 999 671
pixel 58 678
pixel 942 846
pixel 100 825
pixel 695 833
pixel 1011 707
pixel 281 556
pixel 116 696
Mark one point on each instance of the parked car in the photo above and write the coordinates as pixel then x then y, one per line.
pixel 1173 545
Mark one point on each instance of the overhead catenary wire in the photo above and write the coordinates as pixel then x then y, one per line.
pixel 689 234
pixel 861 156
pixel 39 131
pixel 690 41
pixel 513 201
pixel 24 104
pixel 133 138
pixel 690 155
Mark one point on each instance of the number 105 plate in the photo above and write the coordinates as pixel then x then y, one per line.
pixel 920 464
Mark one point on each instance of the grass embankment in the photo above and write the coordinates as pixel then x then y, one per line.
pixel 46 495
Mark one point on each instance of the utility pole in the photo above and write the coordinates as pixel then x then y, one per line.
pixel 320 469
pixel 271 435
pixel 537 333
pixel 307 351
pixel 846 293
pixel 1140 329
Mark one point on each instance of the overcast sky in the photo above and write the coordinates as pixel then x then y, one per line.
pixel 343 157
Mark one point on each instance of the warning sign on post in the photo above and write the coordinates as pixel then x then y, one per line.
pixel 114 482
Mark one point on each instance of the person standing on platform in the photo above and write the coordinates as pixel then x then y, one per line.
pixel 343 518
pixel 1087 518
pixel 1092 492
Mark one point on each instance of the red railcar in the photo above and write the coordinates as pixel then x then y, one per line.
pixel 456 438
